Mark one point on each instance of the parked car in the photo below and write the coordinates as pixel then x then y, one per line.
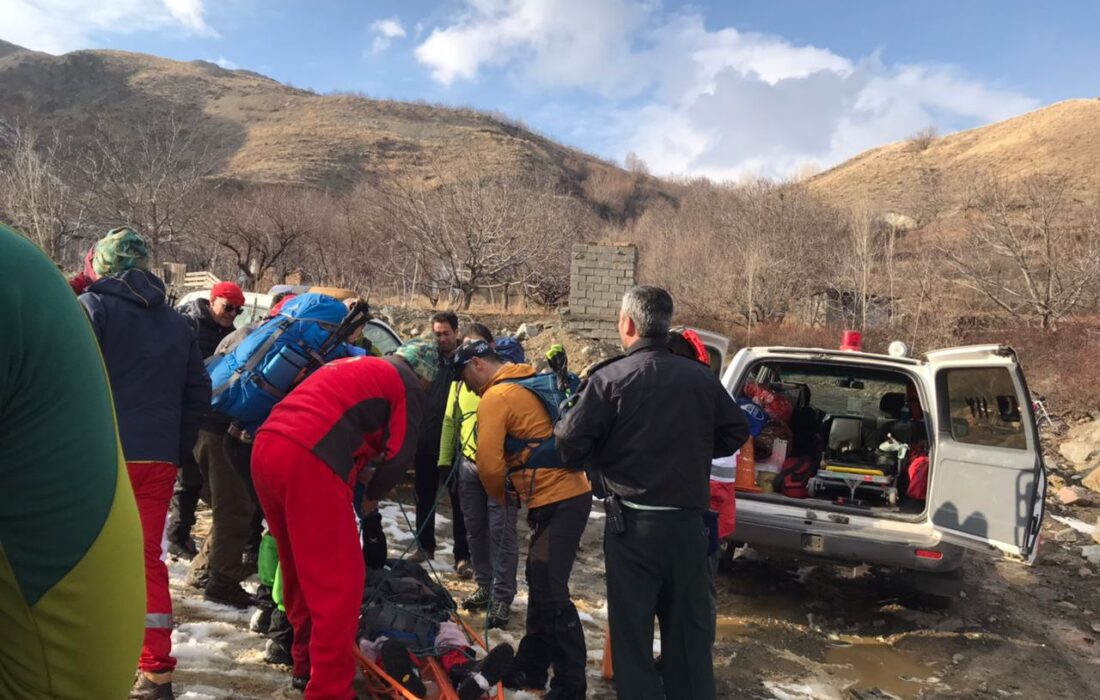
pixel 968 408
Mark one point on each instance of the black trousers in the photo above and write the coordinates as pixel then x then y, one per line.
pixel 554 636
pixel 659 568
pixel 427 485
pixel 185 498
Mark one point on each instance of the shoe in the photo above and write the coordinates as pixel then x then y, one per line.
pixel 278 655
pixel 492 669
pixel 232 595
pixel 498 614
pixel 478 600
pixel 464 570
pixel 397 663
pixel 152 686
pixel 183 549
pixel 518 679
pixel 261 620
pixel 299 682
pixel 420 556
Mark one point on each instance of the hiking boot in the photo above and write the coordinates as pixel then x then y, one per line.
pixel 299 683
pixel 498 614
pixel 420 556
pixel 464 570
pixel 152 686
pixel 518 679
pixel 492 669
pixel 397 663
pixel 232 595
pixel 277 655
pixel 261 620
pixel 478 600
pixel 183 548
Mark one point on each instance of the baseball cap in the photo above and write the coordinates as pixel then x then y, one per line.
pixel 471 349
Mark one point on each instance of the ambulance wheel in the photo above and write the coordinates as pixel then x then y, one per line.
pixel 892 496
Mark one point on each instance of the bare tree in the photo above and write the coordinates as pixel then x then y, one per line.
pixel 1029 250
pixel 262 229
pixel 153 177
pixel 37 195
pixel 473 230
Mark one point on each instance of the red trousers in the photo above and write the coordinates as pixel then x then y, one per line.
pixel 309 511
pixel 152 483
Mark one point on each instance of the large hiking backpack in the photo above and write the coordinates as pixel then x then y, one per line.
pixel 248 381
pixel 548 389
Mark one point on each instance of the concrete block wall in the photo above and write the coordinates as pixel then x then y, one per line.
pixel 599 275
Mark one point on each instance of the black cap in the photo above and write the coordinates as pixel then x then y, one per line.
pixel 471 349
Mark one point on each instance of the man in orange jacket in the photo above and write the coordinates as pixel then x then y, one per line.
pixel 558 503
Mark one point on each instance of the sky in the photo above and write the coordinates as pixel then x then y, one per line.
pixel 723 89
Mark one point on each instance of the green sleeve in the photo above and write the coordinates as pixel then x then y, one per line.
pixel 447 438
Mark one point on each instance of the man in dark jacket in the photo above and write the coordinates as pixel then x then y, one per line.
pixel 649 425
pixel 161 392
pixel 445 329
pixel 211 321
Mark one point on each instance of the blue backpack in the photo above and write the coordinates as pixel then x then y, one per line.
pixel 544 452
pixel 249 380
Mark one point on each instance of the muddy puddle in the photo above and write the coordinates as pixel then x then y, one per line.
pixel 867 665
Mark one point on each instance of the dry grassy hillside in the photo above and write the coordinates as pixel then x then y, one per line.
pixel 900 178
pixel 268 132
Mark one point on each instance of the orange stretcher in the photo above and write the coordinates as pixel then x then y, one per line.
pixel 383 686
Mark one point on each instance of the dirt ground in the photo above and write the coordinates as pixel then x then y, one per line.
pixel 787 631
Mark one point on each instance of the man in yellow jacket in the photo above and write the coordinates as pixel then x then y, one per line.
pixel 558 504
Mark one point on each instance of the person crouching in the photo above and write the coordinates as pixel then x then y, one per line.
pixel 309 454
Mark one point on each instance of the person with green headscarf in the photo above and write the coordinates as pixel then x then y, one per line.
pixel 71 575
pixel 161 393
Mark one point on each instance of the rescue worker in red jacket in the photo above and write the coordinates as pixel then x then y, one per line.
pixel 351 420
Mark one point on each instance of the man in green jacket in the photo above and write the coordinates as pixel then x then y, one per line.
pixel 72 577
pixel 490 525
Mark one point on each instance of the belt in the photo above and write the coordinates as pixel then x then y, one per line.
pixel 237 432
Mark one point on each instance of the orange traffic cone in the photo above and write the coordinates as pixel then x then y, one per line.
pixel 746 469
pixel 608 671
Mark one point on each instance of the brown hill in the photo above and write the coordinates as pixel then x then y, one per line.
pixel 268 132
pixel 903 177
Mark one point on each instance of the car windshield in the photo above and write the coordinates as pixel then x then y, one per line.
pixel 841 391
pixel 253 311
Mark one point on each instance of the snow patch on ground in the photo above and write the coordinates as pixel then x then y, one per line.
pixel 799 691
pixel 1078 525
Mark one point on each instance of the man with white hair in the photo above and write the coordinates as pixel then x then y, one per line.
pixel 649 424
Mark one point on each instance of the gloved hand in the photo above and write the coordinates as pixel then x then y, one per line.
pixel 556 357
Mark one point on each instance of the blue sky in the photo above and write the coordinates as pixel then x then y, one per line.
pixel 723 89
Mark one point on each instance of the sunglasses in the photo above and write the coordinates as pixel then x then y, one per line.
pixel 231 309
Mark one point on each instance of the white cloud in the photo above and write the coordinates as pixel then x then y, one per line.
pixel 225 63
pixel 386 30
pixel 701 101
pixel 58 26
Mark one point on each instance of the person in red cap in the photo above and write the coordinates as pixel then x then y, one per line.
pixel 218 568
pixel 352 420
